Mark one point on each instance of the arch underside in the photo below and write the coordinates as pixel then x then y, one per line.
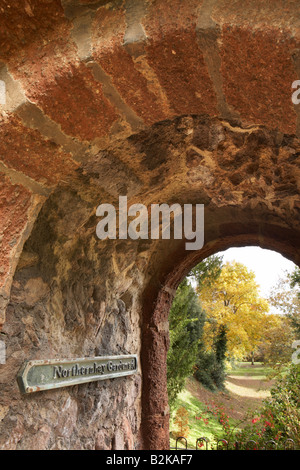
pixel 157 301
pixel 161 101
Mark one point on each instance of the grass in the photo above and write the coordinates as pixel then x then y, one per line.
pixel 259 371
pixel 212 430
pixel 245 389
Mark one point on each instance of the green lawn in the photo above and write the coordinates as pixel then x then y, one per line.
pixel 258 370
pixel 209 425
pixel 198 428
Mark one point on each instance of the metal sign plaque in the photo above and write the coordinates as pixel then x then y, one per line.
pixel 36 376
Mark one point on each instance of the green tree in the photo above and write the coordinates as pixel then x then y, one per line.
pixel 221 344
pixel 207 271
pixel 210 366
pixel 186 321
pixel 295 278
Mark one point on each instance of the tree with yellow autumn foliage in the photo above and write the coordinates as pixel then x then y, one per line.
pixel 278 336
pixel 234 301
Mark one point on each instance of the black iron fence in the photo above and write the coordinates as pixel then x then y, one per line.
pixel 202 443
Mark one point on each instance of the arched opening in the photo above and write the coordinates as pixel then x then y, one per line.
pixel 155 342
pixel 225 340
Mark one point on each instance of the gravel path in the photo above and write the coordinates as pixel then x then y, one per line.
pixel 243 393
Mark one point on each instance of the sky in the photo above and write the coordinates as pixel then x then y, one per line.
pixel 267 265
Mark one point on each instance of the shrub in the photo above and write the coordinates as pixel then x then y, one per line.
pixel 285 404
pixel 210 372
pixel 279 418
pixel 182 422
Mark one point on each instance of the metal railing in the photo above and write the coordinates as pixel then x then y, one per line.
pixel 202 443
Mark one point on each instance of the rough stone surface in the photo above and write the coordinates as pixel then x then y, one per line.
pixel 74 295
pixel 60 307
pixel 17 207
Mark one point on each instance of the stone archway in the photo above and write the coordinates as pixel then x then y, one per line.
pixel 195 119
pixel 155 334
pixel 75 295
